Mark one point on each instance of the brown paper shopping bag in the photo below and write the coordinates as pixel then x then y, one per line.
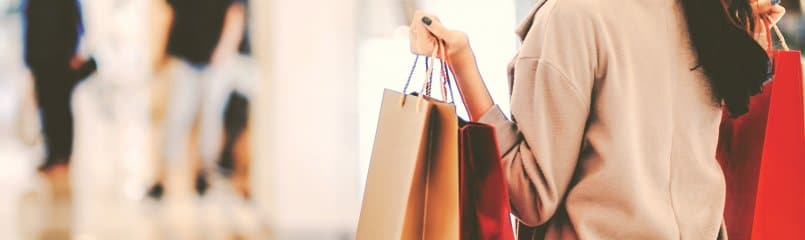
pixel 412 186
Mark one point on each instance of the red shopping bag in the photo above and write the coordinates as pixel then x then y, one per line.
pixel 739 151
pixel 780 202
pixel 762 154
pixel 484 200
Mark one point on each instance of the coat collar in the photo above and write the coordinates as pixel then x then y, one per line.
pixel 525 25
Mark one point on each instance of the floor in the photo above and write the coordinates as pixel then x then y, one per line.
pixel 102 194
pixel 105 199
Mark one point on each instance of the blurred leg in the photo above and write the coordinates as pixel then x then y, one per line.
pixel 183 104
pixel 182 109
pixel 235 159
pixel 235 121
pixel 217 87
pixel 53 90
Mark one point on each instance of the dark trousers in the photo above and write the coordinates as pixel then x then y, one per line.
pixel 54 87
pixel 236 116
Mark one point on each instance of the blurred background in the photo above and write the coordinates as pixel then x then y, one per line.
pixel 212 119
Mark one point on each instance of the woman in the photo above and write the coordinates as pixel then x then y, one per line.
pixel 615 112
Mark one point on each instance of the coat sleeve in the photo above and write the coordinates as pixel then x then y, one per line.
pixel 551 101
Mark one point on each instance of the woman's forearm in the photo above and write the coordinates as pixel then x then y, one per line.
pixel 232 32
pixel 473 91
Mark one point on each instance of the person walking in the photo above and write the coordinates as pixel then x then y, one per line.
pixel 52 32
pixel 203 45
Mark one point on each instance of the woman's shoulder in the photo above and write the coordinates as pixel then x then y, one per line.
pixel 567 14
pixel 561 15
pixel 573 8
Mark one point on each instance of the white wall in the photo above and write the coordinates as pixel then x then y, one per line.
pixel 305 174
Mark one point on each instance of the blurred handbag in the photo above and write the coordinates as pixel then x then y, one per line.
pixel 412 186
pixel 762 154
pixel 485 206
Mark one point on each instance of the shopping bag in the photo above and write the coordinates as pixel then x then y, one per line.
pixel 740 151
pixel 780 202
pixel 485 206
pixel 412 186
pixel 763 157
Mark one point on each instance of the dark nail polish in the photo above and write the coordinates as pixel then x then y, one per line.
pixel 775 2
pixel 427 20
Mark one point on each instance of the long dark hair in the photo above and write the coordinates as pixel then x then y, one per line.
pixel 736 65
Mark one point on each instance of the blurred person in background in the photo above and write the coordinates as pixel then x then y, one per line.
pixel 204 47
pixel 52 33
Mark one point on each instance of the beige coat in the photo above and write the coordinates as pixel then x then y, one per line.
pixel 612 136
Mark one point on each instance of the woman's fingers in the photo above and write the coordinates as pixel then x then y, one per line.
pixel 768 9
pixel 767 13
pixel 761 7
pixel 776 13
pixel 424 31
pixel 427 31
pixel 435 27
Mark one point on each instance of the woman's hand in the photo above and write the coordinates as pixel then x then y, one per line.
pixel 767 13
pixel 426 29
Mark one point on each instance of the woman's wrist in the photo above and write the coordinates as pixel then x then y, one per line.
pixel 458 46
pixel 462 57
pixel 473 90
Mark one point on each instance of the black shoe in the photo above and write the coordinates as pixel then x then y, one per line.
pixel 202 184
pixel 156 191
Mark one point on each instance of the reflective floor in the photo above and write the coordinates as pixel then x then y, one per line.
pixel 94 198
pixel 102 194
pixel 220 214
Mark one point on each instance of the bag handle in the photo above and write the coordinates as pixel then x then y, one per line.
pixel 447 87
pixel 780 37
pixel 440 52
pixel 769 26
pixel 427 71
pixel 772 27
